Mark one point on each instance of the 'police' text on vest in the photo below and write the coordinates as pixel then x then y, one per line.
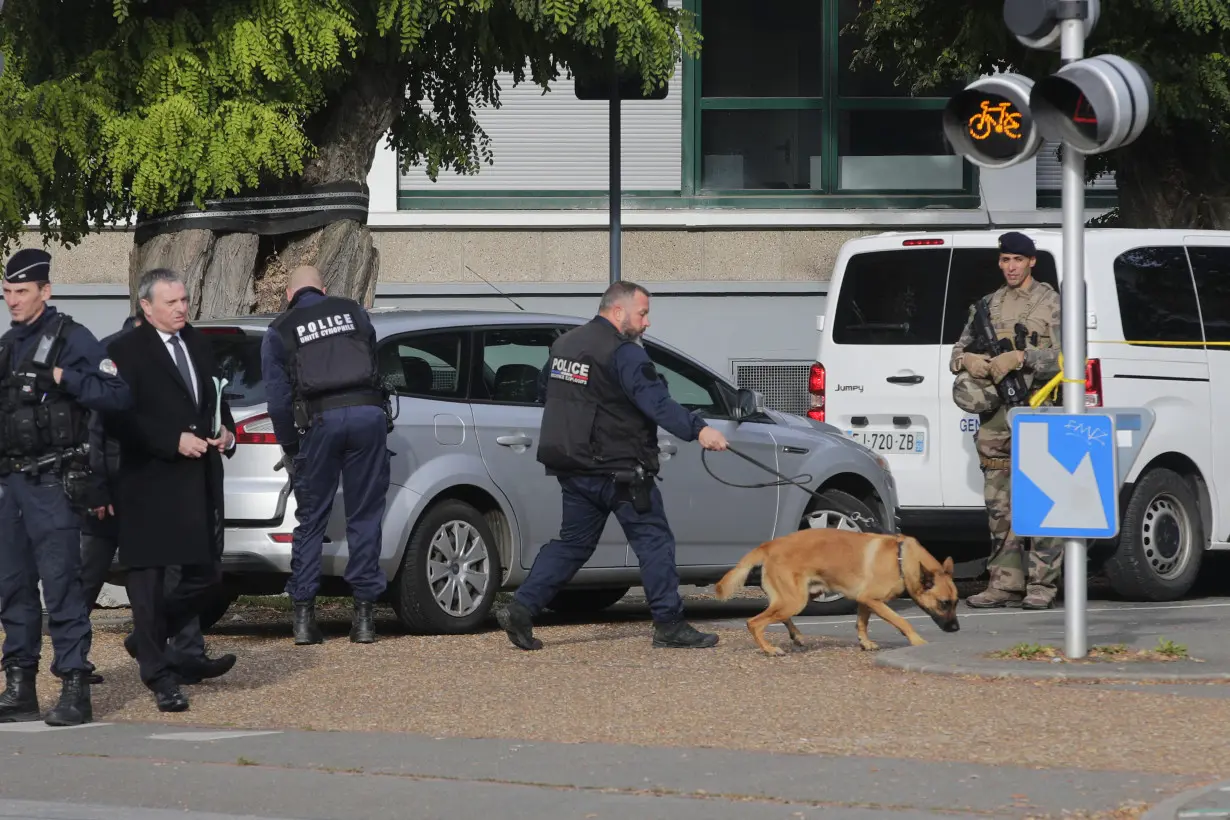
pixel 323 328
pixel 569 371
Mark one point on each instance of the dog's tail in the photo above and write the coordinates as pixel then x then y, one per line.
pixel 734 580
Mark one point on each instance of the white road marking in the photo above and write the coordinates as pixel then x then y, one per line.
pixel 35 726
pixel 208 735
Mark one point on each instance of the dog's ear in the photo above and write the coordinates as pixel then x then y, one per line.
pixel 926 578
pixel 948 565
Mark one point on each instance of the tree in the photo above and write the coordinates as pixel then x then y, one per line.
pixel 1177 174
pixel 115 109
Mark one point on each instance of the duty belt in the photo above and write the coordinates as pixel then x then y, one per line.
pixel 995 463
pixel 363 399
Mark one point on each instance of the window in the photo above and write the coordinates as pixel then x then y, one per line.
pixel 239 358
pixel 512 360
pixel 689 385
pixel 1211 270
pixel 1157 301
pixel 975 273
pixel 780 108
pixel 892 298
pixel 431 364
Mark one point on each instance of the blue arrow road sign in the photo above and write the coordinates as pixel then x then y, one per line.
pixel 1064 475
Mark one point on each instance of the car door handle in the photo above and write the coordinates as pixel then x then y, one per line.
pixel 518 440
pixel 904 379
pixel 668 447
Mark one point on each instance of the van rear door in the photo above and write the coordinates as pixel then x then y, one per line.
pixel 879 354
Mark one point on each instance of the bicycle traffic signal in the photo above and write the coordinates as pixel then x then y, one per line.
pixel 990 122
pixel 1094 105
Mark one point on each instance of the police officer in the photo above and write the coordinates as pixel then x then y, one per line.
pixel 604 404
pixel 328 411
pixel 100 540
pixel 1029 310
pixel 52 370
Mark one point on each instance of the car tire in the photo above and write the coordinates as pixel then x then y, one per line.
pixel 839 510
pixel 585 601
pixel 435 606
pixel 1161 540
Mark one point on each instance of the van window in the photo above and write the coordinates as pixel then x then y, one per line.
pixel 1211 270
pixel 975 273
pixel 892 298
pixel 1157 302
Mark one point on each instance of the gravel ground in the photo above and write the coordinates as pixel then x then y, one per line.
pixel 603 682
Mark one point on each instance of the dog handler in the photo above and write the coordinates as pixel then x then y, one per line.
pixel 1020 300
pixel 604 404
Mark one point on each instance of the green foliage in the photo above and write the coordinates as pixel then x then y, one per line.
pixel 119 107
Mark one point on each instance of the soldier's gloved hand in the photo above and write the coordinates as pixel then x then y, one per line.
pixel 976 364
pixel 1005 363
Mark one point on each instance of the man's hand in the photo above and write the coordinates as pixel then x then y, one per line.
pixel 223 442
pixel 57 373
pixel 976 364
pixel 1005 363
pixel 191 446
pixel 711 439
pixel 102 512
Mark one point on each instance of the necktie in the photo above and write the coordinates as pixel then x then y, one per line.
pixel 181 361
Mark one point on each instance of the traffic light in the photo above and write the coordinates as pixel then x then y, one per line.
pixel 592 75
pixel 990 122
pixel 1035 23
pixel 1094 105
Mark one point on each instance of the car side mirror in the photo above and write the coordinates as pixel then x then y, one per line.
pixel 748 403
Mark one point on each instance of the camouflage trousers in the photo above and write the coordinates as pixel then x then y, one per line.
pixel 1008 564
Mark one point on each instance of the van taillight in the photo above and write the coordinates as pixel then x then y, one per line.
pixel 914 243
pixel 1093 383
pixel 256 430
pixel 815 386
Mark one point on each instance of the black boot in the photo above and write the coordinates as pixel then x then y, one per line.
pixel 515 619
pixel 364 628
pixel 74 707
pixel 306 630
pixel 19 702
pixel 682 635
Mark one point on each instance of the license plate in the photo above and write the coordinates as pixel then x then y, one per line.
pixel 892 442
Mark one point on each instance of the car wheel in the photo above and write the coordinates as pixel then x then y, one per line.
pixel 840 511
pixel 450 572
pixel 582 601
pixel 1161 540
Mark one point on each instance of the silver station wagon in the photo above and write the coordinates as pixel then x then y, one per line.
pixel 469 506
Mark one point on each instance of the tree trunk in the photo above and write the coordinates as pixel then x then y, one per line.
pixel 1174 180
pixel 232 274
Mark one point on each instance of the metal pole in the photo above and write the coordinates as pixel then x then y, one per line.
pixel 616 181
pixel 1072 47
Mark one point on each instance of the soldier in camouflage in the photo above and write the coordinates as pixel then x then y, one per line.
pixel 1015 579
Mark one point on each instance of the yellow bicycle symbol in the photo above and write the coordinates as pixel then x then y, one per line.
pixel 995 119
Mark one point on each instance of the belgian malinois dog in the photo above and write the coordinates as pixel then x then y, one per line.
pixel 868 568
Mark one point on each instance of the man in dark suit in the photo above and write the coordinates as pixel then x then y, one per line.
pixel 169 499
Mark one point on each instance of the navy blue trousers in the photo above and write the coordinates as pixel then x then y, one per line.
pixel 588 502
pixel 40 539
pixel 349 444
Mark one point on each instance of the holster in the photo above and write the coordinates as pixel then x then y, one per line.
pixel 634 484
pixel 303 418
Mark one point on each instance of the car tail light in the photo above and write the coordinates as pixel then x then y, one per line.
pixel 1093 383
pixel 256 430
pixel 913 243
pixel 815 386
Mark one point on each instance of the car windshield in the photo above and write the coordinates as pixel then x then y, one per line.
pixel 239 358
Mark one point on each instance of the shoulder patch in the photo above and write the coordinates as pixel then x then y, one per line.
pixel 649 372
pixel 107 366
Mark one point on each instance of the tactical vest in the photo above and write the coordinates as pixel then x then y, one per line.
pixel 37 416
pixel 589 425
pixel 327 352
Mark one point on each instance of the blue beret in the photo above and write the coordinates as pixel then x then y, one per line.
pixel 1017 243
pixel 28 265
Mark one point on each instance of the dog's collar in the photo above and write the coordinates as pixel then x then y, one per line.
pixel 901 558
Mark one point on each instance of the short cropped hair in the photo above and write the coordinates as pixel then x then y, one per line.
pixel 145 287
pixel 619 291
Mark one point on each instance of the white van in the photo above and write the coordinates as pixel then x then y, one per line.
pixel 897 303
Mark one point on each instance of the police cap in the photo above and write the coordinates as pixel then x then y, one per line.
pixel 1018 243
pixel 28 265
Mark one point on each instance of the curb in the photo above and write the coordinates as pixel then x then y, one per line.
pixel 1032 670
pixel 1172 807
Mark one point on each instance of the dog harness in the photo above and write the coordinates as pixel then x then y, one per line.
pixel 901 558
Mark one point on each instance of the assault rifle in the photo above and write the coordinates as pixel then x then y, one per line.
pixel 1012 391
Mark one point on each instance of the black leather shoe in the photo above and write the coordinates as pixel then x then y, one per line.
pixel 96 679
pixel 515 620
pixel 195 671
pixel 682 635
pixel 364 628
pixel 305 629
pixel 74 707
pixel 170 699
pixel 19 701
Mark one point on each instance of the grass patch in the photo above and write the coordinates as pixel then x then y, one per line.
pixel 1166 650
